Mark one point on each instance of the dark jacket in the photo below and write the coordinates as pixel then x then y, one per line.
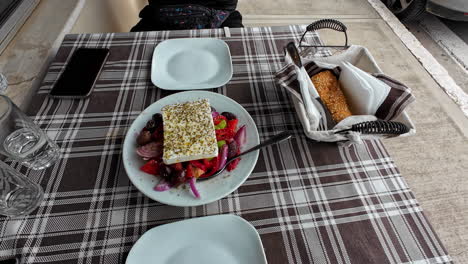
pixel 149 13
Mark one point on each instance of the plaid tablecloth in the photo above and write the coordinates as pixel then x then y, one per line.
pixel 311 202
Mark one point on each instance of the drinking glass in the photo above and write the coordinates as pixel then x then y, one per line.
pixel 22 140
pixel 18 194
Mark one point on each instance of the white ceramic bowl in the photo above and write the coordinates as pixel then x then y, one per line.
pixel 210 190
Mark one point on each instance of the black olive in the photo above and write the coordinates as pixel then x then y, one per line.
pixel 150 125
pixel 182 174
pixel 162 170
pixel 178 177
pixel 229 115
pixel 144 138
pixel 165 171
pixel 169 171
pixel 157 118
pixel 213 109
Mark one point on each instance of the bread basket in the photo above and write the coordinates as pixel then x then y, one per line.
pixel 358 56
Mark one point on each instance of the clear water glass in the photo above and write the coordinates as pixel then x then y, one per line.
pixel 22 140
pixel 18 194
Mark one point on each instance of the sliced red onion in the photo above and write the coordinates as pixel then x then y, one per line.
pixel 214 114
pixel 241 137
pixel 222 158
pixel 150 150
pixel 162 186
pixel 193 187
pixel 233 149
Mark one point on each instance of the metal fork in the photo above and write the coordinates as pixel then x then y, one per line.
pixel 274 140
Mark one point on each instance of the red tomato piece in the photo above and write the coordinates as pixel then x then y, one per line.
pixel 198 164
pixel 232 124
pixel 193 171
pixel 208 164
pixel 224 134
pixel 214 163
pixel 189 173
pixel 178 166
pixel 151 167
pixel 231 166
pixel 218 119
pixel 213 168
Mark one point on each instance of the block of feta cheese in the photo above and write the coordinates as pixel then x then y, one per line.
pixel 189 132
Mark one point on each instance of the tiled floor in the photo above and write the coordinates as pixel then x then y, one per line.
pixel 307 7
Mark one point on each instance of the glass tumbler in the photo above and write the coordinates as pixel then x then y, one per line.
pixel 22 140
pixel 18 194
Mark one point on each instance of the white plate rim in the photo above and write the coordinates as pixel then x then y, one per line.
pixel 204 85
pixel 222 217
pixel 195 202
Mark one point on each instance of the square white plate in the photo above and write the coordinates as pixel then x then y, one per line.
pixel 191 63
pixel 226 239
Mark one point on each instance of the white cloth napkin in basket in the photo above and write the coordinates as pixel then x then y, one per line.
pixel 370 97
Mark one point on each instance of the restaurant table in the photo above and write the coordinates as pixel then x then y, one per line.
pixel 310 202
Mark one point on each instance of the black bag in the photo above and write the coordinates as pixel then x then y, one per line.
pixel 183 16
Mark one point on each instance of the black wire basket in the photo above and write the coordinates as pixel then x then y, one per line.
pixel 325 24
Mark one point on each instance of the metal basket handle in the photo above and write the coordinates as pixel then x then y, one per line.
pixel 378 127
pixel 326 23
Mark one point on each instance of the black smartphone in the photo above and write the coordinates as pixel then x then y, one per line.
pixel 80 74
pixel 10 261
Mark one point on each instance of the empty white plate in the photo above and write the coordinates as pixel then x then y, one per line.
pixel 191 63
pixel 226 239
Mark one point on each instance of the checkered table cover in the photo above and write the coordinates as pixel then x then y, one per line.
pixel 310 202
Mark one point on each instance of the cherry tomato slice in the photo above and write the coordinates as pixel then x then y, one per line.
pixel 151 167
